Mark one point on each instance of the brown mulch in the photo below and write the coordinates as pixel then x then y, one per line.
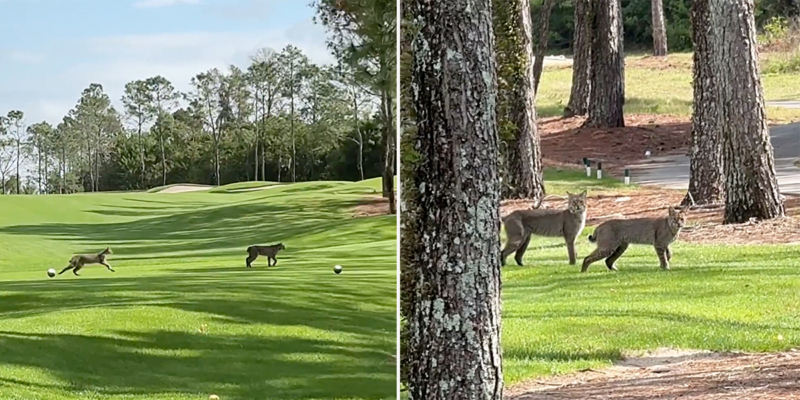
pixel 565 143
pixel 704 225
pixel 371 206
pixel 563 140
pixel 689 376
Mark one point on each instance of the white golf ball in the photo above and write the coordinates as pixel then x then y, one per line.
pixel 647 153
pixel 337 269
pixel 51 272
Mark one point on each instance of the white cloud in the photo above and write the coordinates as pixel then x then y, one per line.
pixel 25 57
pixel 162 3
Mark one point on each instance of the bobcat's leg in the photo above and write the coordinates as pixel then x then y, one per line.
pixel 571 251
pixel 615 256
pixel 76 269
pixel 668 254
pixel 662 257
pixel 66 269
pixel 274 261
pixel 511 247
pixel 597 255
pixel 522 249
pixel 516 235
pixel 107 266
pixel 250 258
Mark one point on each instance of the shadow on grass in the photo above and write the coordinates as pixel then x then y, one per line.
pixel 234 367
pixel 242 366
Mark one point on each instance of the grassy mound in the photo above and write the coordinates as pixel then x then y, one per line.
pixel 182 317
pixel 242 186
pixel 162 188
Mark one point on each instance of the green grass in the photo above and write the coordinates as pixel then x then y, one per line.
pixel 239 186
pixel 557 320
pixel 651 88
pixel 293 331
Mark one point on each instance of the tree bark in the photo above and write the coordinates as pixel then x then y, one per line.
pixel 452 221
pixel 750 183
pixel 607 96
pixel 659 28
pixel 541 47
pixel 389 151
pixel 581 61
pixel 706 174
pixel 163 159
pixel 525 156
pixel 360 161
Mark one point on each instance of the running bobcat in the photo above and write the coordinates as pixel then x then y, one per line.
pixel 77 262
pixel 269 251
pixel 521 224
pixel 614 236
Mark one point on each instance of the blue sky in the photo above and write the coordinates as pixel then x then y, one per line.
pixel 50 50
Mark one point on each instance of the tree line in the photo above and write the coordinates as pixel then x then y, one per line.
pixel 641 23
pixel 281 118
pixel 470 139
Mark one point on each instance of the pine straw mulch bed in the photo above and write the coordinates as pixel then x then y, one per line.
pixel 371 206
pixel 564 142
pixel 676 375
pixel 704 225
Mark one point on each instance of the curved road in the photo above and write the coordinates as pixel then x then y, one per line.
pixel 673 171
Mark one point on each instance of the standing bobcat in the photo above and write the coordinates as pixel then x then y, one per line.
pixel 77 262
pixel 269 251
pixel 614 236
pixel 521 224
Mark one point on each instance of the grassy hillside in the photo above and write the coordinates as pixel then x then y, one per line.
pixel 182 317
pixel 654 86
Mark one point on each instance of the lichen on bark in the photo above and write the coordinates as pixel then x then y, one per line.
pixel 450 211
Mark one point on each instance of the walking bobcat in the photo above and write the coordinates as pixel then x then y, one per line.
pixel 78 261
pixel 269 251
pixel 521 224
pixel 614 236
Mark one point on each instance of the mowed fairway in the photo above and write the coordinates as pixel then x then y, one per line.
pixel 182 318
pixel 716 297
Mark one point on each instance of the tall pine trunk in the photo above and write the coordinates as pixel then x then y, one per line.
pixel 388 150
pixel 581 61
pixel 19 151
pixel 524 158
pixel 706 174
pixel 751 187
pixel 659 28
pixel 163 159
pixel 541 46
pixel 451 230
pixel 607 72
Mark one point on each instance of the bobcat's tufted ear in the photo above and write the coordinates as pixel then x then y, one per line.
pixel 583 194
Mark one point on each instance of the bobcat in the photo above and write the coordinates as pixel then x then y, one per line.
pixel 614 236
pixel 269 251
pixel 521 224
pixel 77 262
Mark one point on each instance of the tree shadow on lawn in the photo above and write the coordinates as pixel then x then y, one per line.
pixel 208 230
pixel 234 367
pixel 332 305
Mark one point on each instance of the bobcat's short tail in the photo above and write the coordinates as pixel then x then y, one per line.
pixel 592 238
pixel 249 248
